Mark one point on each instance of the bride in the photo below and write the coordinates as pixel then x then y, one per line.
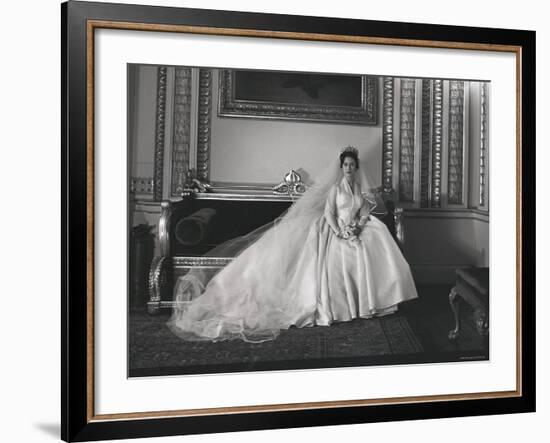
pixel 326 260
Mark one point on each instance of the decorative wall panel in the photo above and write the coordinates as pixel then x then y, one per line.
pixel 426 144
pixel 204 125
pixel 437 142
pixel 483 146
pixel 181 129
pixel 160 120
pixel 456 142
pixel 387 136
pixel 406 136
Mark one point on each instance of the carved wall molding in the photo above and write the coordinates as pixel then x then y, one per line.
pixel 425 152
pixel 437 142
pixel 483 146
pixel 204 125
pixel 160 120
pixel 456 142
pixel 181 129
pixel 406 136
pixel 387 136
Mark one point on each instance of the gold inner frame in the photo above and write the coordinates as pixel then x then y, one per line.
pixel 97 24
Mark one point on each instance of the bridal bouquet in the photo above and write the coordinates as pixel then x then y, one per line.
pixel 351 231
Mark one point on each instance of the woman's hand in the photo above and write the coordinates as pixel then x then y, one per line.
pixel 355 230
pixel 349 232
pixel 343 233
pixel 363 220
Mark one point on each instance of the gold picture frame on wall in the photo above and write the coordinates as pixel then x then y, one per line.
pixel 313 97
pixel 87 198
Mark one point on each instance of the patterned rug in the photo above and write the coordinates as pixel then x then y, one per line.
pixel 152 345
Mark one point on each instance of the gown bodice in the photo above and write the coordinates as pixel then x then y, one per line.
pixel 346 204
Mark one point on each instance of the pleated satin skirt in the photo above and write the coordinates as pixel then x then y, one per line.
pixel 365 277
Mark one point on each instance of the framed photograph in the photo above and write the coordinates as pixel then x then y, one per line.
pixel 257 205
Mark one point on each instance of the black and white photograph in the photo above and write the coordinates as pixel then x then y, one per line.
pixel 275 221
pixel 282 220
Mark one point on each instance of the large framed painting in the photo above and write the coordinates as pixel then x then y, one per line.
pixel 298 96
pixel 300 203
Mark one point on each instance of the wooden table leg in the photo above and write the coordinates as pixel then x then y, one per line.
pixel 453 300
pixel 481 321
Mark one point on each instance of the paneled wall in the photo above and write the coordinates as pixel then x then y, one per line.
pixel 437 163
pixel 429 150
pixel 438 154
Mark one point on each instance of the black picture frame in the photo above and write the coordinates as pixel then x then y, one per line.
pixel 78 421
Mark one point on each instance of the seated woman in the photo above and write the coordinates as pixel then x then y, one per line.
pixel 325 260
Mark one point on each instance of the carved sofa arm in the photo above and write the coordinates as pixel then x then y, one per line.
pixel 159 272
pixel 391 215
pixel 164 228
pixel 399 225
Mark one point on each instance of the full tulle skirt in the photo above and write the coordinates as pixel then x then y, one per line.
pixel 273 285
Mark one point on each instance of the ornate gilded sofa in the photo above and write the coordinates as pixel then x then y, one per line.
pixel 239 210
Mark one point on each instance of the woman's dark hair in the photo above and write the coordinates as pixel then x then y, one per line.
pixel 349 154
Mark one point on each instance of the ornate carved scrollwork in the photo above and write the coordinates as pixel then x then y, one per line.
pixel 426 144
pixel 483 148
pixel 454 302
pixel 480 316
pixel 164 228
pixel 406 135
pixel 202 262
pixel 437 142
pixel 399 227
pixel 158 161
pixel 387 137
pixel 291 185
pixel 198 186
pixel 481 321
pixel 204 125
pixel 456 141
pixel 181 132
pixel 157 281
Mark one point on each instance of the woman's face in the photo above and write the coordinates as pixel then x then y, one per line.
pixel 349 167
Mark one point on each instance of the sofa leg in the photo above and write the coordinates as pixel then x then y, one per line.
pixel 157 278
pixel 453 300
pixel 481 321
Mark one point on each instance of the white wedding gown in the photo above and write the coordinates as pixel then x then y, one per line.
pixel 288 278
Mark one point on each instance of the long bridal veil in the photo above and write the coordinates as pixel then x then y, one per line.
pixel 272 281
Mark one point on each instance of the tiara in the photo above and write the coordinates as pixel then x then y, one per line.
pixel 350 149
